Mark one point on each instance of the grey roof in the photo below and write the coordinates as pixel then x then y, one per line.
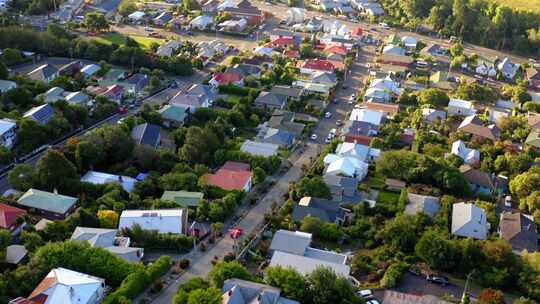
pixel 247 69
pixel 294 242
pixel 422 203
pixel 324 255
pixel 271 99
pixel 236 291
pixel 341 181
pixel 47 201
pixel 324 77
pixel 259 148
pixel 285 120
pixel 519 230
pixel 306 265
pixel 279 137
pixel 15 253
pixel 97 237
pixel 131 254
pixel 201 89
pixel 326 210
pixel 43 72
pixel 42 114
pixel 146 134
pixel 287 91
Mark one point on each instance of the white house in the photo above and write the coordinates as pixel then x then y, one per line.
pixel 508 68
pixel 366 115
pixel 386 84
pixel 136 16
pixel 433 115
pixel 161 220
pixel 468 220
pixel 201 22
pixel 90 69
pixel 459 107
pixel 345 166
pixel 409 42
pixel 7 133
pixel 66 286
pixel 100 178
pixel 391 49
pixel 469 156
pixel 485 69
pixel 361 152
pixel 295 15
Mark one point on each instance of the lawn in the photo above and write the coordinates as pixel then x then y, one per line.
pixel 388 197
pixel 521 4
pixel 119 39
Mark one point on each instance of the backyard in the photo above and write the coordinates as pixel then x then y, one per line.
pixel 119 39
pixel 521 4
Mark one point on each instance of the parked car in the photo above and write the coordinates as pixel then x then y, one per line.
pixel 366 294
pixel 353 96
pixel 384 25
pixel 372 302
pixel 338 122
pixel 314 136
pixel 327 115
pixel 148 29
pixel 508 201
pixel 437 279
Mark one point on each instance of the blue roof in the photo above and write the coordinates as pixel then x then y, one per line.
pixel 141 176
pixel 41 114
pixel 146 134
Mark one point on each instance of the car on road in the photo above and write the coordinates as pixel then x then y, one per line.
pixel 148 29
pixel 508 201
pixel 353 96
pixel 314 136
pixel 366 294
pixel 333 132
pixel 437 279
pixel 373 302
pixel 156 35
pixel 327 115
pixel 339 122
pixel 328 139
pixel 384 25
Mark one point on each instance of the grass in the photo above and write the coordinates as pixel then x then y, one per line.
pixel 376 182
pixel 388 197
pixel 119 39
pixel 521 4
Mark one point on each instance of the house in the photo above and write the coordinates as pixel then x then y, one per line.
pixel 468 220
pixel 287 91
pixel 41 114
pixel 434 50
pixel 169 48
pixel 475 126
pixel 100 178
pixel 533 78
pixel 264 52
pixel 53 95
pixel 284 120
pixel 281 43
pixel 7 85
pixel 345 166
pixel 533 139
pixel 259 148
pixel 335 52
pixel 163 18
pixel 66 286
pixel 409 42
pixel 533 120
pixel 388 110
pixel 45 73
pixel 201 22
pixel 361 152
pixel 236 291
pixel 459 107
pixel 486 69
pixel 394 184
pixel 15 254
pixel 8 134
pixel 174 114
pixel 40 226
pixel 210 6
pixel 79 98
pixel 377 95
pixel 279 137
pixel 482 182
pixel 160 220
pixel 9 217
pixel 469 156
pixel 393 50
pixel 107 239
pixel 519 230
pixel 508 68
pixel 326 78
pixel 232 176
pixel 136 16
pixel 50 205
pixel 360 132
pixel 245 70
pixel 137 82
pixel 433 115
pixel 343 189
pixel 497 115
pixel 422 203
pixel 440 80
pixel 291 249
pixel 311 66
pixel 233 26
pixel 313 88
pixel 90 70
pixel 147 134
pixel 269 100
pixel 245 10
pixel 183 198
pixel 70 69
pixel 326 210
pixel 219 79
pixel 205 92
pixel 114 93
pixel 386 84
pixel 370 116
pixel 396 297
pixel 190 101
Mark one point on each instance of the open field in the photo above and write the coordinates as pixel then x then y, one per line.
pixel 119 39
pixel 522 4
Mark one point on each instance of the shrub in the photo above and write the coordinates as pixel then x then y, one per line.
pixel 393 274
pixel 233 89
pixel 159 267
pixel 184 263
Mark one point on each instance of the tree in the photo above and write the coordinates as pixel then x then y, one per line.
pixel 523 300
pixel 4 73
pixel 126 8
pixel 529 277
pixel 306 50
pixel 524 184
pixel 55 171
pixel 403 231
pixel 491 296
pixel 293 285
pixel 22 177
pixel 211 295
pixel 107 218
pixel 87 155
pixel 456 49
pixel 258 175
pixel 96 22
pixel 32 240
pixel 199 145
pixel 226 270
pixel 434 97
pixel 11 56
pixel 314 187
pixel 437 250
pixel 326 287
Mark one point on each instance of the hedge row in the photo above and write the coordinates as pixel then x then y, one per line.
pixel 236 90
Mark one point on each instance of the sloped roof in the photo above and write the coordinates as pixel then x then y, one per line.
pixel 43 72
pixel 477 177
pixel 41 114
pixel 519 230
pixel 469 220
pixel 287 91
pixel 47 201
pixel 295 242
pixel 96 237
pixel 259 148
pixel 272 99
pixel 306 265
pixel 422 203
pixel 326 210
pixel 99 178
pixel 174 112
pixel 146 134
pixel 475 126
pixel 15 253
pixel 232 176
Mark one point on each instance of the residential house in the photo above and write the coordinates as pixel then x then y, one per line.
pixel 370 116
pixel 232 176
pixel 245 10
pixel 311 66
pixel 9 216
pixel 497 115
pixel 101 178
pixel 201 22
pixel 469 220
pixel 291 249
pixel 388 110
pixel 160 220
pixel 533 139
pixel 396 297
pixel 206 93
pixel 259 148
pixel 70 69
pixel 90 70
pixel 236 291
pixel 343 189
pixel 409 42
pixel 335 52
pixel 519 230
pixel 433 115
pixel 169 48
pixel 15 254
pixel 440 80
pixel 459 107
pixel 422 203
pixel 163 18
pixel 147 134
pixel 50 205
pixel 486 69
pixel 78 98
pixel 508 68
pixel 360 132
pixel 107 239
pixel 264 52
pixel 66 286
pixel 377 95
pixel 136 16
pixel 313 88
pixel 7 85
pixel 470 156
pixel 394 59
pixel 533 120
pixel 137 83
pixel 284 120
pixel 386 84
pixel 482 182
pixel 45 73
pixel 475 126
pixel 361 152
pixel 233 25
pixel 435 50
pixel 183 198
pixel 345 166
pixel 280 137
pixel 8 134
pixel 533 78
pixel 53 95
pixel 41 114
pixel 326 78
pixel 281 43
pixel 245 70
pixel 287 91
pixel 269 100
pixel 210 6
pixel 219 79
pixel 174 115
pixel 114 93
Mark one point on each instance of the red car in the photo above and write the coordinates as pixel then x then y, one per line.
pixel 235 233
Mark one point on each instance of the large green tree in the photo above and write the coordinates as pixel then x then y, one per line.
pixel 227 270
pixel 55 171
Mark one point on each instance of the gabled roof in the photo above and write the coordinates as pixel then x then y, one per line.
pixel 533 139
pixel 317 64
pixel 284 120
pixel 201 90
pixel 43 72
pixel 519 230
pixel 259 148
pixel 366 115
pixel 533 120
pixel 146 134
pixel 287 91
pixel 9 215
pixel 236 291
pixel 183 198
pixel 279 137
pixel 474 125
pixel 41 114
pixel 174 112
pixel 271 99
pixel 6 125
pixel 390 108
pixel 469 156
pixel 306 265
pixel 96 237
pixel 477 177
pixel 15 254
pixel 100 178
pixel 227 77
pixel 326 210
pixel 47 201
pixel 295 242
pixel 336 49
pixel 395 297
pixel 422 203
pixel 324 77
pixel 468 220
pixel 232 176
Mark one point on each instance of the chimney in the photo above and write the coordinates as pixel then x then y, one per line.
pixel 120 178
pixel 55 191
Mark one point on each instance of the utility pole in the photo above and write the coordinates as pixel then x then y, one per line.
pixel 464 295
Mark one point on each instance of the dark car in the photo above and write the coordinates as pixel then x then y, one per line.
pixel 437 279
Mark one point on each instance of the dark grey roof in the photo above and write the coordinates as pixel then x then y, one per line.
pixel 341 181
pixel 519 230
pixel 325 77
pixel 43 72
pixel 201 89
pixel 236 291
pixel 294 242
pixel 139 80
pixel 287 91
pixel 42 114
pixel 326 210
pixel 271 99
pixel 146 134
pixel 285 120
pixel 279 137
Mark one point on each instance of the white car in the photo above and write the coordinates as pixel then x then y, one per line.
pixel 148 29
pixel 384 25
pixel 314 136
pixel 373 302
pixel 353 96
pixel 366 293
pixel 327 115
pixel 333 132
pixel 508 201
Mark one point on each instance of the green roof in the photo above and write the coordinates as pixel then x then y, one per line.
pixel 174 113
pixel 184 198
pixel 533 139
pixel 47 201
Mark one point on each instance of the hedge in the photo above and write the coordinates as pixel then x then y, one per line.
pixel 236 90
pixel 393 273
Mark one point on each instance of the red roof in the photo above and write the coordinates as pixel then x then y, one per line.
pixel 227 77
pixel 8 215
pixel 292 53
pixel 232 176
pixel 318 64
pixel 282 41
pixel 357 32
pixel 336 49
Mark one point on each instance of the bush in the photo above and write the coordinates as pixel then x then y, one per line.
pixel 159 267
pixel 184 263
pixel 234 89
pixel 393 273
